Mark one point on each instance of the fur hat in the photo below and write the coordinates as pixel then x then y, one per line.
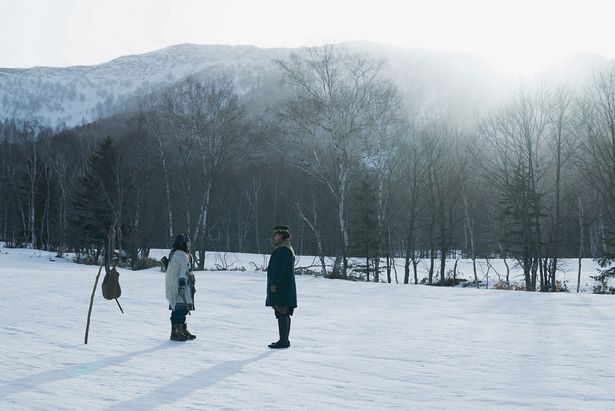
pixel 281 229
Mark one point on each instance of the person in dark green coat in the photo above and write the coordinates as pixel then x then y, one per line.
pixel 281 288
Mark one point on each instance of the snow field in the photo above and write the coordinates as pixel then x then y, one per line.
pixel 355 345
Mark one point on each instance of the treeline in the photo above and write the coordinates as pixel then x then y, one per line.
pixel 343 159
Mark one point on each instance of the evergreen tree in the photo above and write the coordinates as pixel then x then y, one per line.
pixel 520 214
pixel 365 227
pixel 608 270
pixel 101 197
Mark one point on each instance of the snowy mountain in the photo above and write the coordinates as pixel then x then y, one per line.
pixel 77 95
pixel 434 82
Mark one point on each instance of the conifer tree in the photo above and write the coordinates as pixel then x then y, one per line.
pixel 102 196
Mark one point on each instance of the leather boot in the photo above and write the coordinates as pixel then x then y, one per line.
pixel 176 333
pixel 187 333
pixel 284 329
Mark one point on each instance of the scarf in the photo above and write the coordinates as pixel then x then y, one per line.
pixel 284 243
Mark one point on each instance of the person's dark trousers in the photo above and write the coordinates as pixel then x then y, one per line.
pixel 179 316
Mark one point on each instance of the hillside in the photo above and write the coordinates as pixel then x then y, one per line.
pixel 434 82
pixel 76 95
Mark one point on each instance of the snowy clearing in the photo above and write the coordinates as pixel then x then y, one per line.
pixel 355 345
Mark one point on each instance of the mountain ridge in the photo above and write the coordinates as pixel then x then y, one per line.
pixel 61 97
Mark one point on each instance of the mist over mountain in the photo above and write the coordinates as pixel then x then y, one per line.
pixel 434 82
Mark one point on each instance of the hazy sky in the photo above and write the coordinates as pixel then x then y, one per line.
pixel 515 35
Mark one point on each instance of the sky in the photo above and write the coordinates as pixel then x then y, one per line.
pixel 516 36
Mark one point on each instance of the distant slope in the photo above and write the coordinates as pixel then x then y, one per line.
pixel 435 82
pixel 76 95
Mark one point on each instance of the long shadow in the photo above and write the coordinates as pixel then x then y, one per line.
pixel 184 386
pixel 33 382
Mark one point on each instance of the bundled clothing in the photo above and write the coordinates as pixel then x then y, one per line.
pixel 180 288
pixel 281 273
pixel 281 289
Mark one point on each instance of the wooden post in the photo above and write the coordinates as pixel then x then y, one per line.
pixel 87 327
pixel 108 255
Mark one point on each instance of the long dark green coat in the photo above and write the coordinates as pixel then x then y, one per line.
pixel 281 273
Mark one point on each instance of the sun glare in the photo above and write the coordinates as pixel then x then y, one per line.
pixel 521 63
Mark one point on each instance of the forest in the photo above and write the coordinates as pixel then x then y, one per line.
pixel 343 157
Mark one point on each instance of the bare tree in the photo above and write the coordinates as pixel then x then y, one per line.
pixel 383 160
pixel 581 240
pixel 563 131
pixel 597 111
pixel 253 195
pixel 210 127
pixel 413 169
pixel 152 115
pixel 442 186
pixel 328 117
pixel 468 210
pixel 517 166
pixel 309 215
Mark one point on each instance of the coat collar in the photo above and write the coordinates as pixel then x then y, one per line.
pixel 284 243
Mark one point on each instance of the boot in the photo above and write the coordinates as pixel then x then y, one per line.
pixel 279 344
pixel 284 329
pixel 280 331
pixel 187 333
pixel 176 333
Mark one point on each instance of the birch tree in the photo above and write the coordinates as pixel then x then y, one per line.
pixel 327 119
pixel 209 126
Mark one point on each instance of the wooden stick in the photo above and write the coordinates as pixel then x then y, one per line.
pixel 108 255
pixel 118 304
pixel 87 327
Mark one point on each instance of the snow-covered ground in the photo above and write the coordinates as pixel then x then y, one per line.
pixel 489 273
pixel 355 345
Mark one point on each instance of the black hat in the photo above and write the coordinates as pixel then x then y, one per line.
pixel 280 229
pixel 179 240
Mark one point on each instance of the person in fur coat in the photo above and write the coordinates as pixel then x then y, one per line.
pixel 180 288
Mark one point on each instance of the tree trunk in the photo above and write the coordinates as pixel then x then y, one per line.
pixel 503 256
pixel 203 225
pixel 344 233
pixel 32 202
pixel 470 229
pixel 581 239
pixel 407 266
pixel 367 263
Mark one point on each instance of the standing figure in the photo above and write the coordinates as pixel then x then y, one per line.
pixel 180 288
pixel 281 288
